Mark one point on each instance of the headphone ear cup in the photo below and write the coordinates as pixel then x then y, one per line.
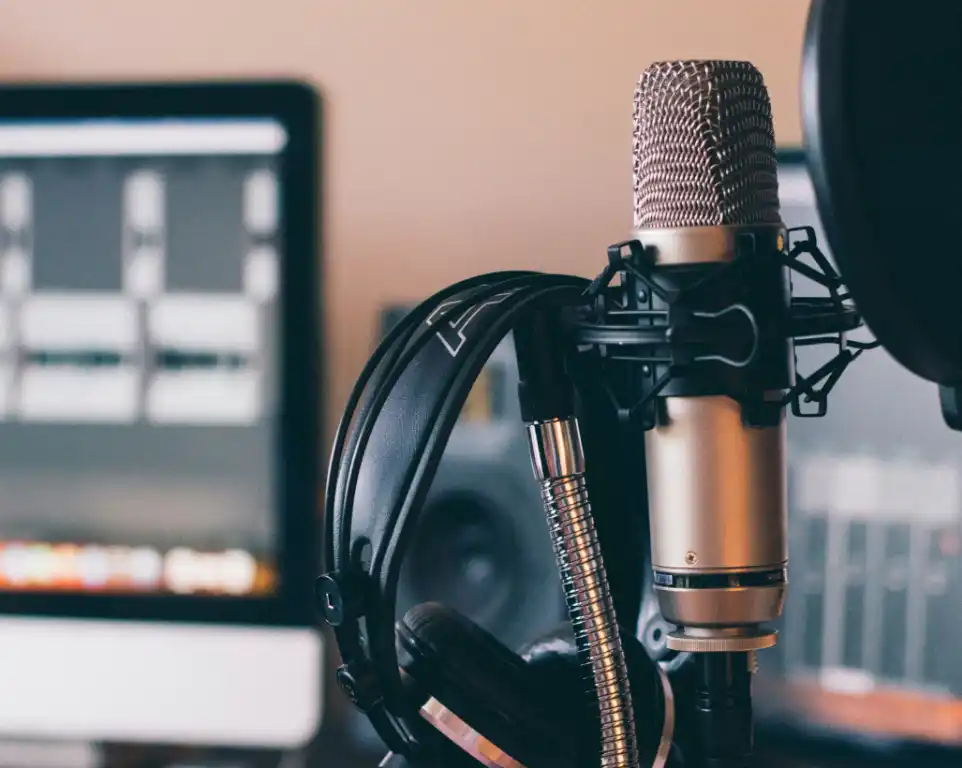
pixel 555 669
pixel 466 670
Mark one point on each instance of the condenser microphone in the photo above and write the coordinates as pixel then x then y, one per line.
pixel 693 328
pixel 705 179
pixel 706 213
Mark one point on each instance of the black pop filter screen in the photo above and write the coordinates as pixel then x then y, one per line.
pixel 882 106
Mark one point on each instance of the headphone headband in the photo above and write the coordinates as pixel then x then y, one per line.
pixel 386 453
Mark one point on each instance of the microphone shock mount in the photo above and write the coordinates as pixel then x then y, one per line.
pixel 731 327
pixel 691 350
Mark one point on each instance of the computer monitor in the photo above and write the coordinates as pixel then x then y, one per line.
pixel 159 413
pixel 873 620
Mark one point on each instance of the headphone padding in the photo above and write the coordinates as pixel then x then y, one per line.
pixel 483 682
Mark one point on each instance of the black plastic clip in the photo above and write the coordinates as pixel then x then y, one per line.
pixel 950 399
pixel 339 598
pixel 359 683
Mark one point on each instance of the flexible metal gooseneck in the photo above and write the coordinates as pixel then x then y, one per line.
pixel 558 460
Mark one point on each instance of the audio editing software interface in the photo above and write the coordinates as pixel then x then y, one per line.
pixel 138 289
pixel 875 555
pixel 872 621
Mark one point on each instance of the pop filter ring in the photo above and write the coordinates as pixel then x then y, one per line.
pixel 904 322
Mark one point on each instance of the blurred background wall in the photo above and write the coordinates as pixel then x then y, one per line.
pixel 460 136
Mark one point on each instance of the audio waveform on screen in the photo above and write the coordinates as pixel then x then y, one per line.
pixel 80 358
pixel 177 360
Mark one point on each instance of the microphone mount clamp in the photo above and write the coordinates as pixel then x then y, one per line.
pixel 729 328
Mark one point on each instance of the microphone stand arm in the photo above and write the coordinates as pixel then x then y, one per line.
pixel 546 398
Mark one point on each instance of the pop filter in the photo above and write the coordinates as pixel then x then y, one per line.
pixel 882 119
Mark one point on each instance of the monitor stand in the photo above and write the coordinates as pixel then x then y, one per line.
pixel 49 754
pixel 156 683
pixel 79 754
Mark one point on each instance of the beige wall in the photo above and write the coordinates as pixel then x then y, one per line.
pixel 461 136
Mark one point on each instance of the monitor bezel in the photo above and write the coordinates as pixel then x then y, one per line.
pixel 297 107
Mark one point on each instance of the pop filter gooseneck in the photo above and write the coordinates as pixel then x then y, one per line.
pixel 882 119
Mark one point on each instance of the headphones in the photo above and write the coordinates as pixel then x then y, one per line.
pixel 438 689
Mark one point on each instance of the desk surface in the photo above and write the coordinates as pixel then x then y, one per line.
pixel 882 712
pixel 797 751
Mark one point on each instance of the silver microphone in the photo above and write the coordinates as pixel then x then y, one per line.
pixel 705 177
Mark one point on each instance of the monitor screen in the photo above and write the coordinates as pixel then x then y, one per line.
pixel 139 355
pixel 872 617
pixel 159 402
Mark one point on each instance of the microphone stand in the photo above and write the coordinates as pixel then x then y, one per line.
pixel 626 343
pixel 639 337
pixel 722 715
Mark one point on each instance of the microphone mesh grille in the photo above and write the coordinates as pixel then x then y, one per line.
pixel 704 146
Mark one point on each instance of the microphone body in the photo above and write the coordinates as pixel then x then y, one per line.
pixel 706 205
pixel 706 184
pixel 717 487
